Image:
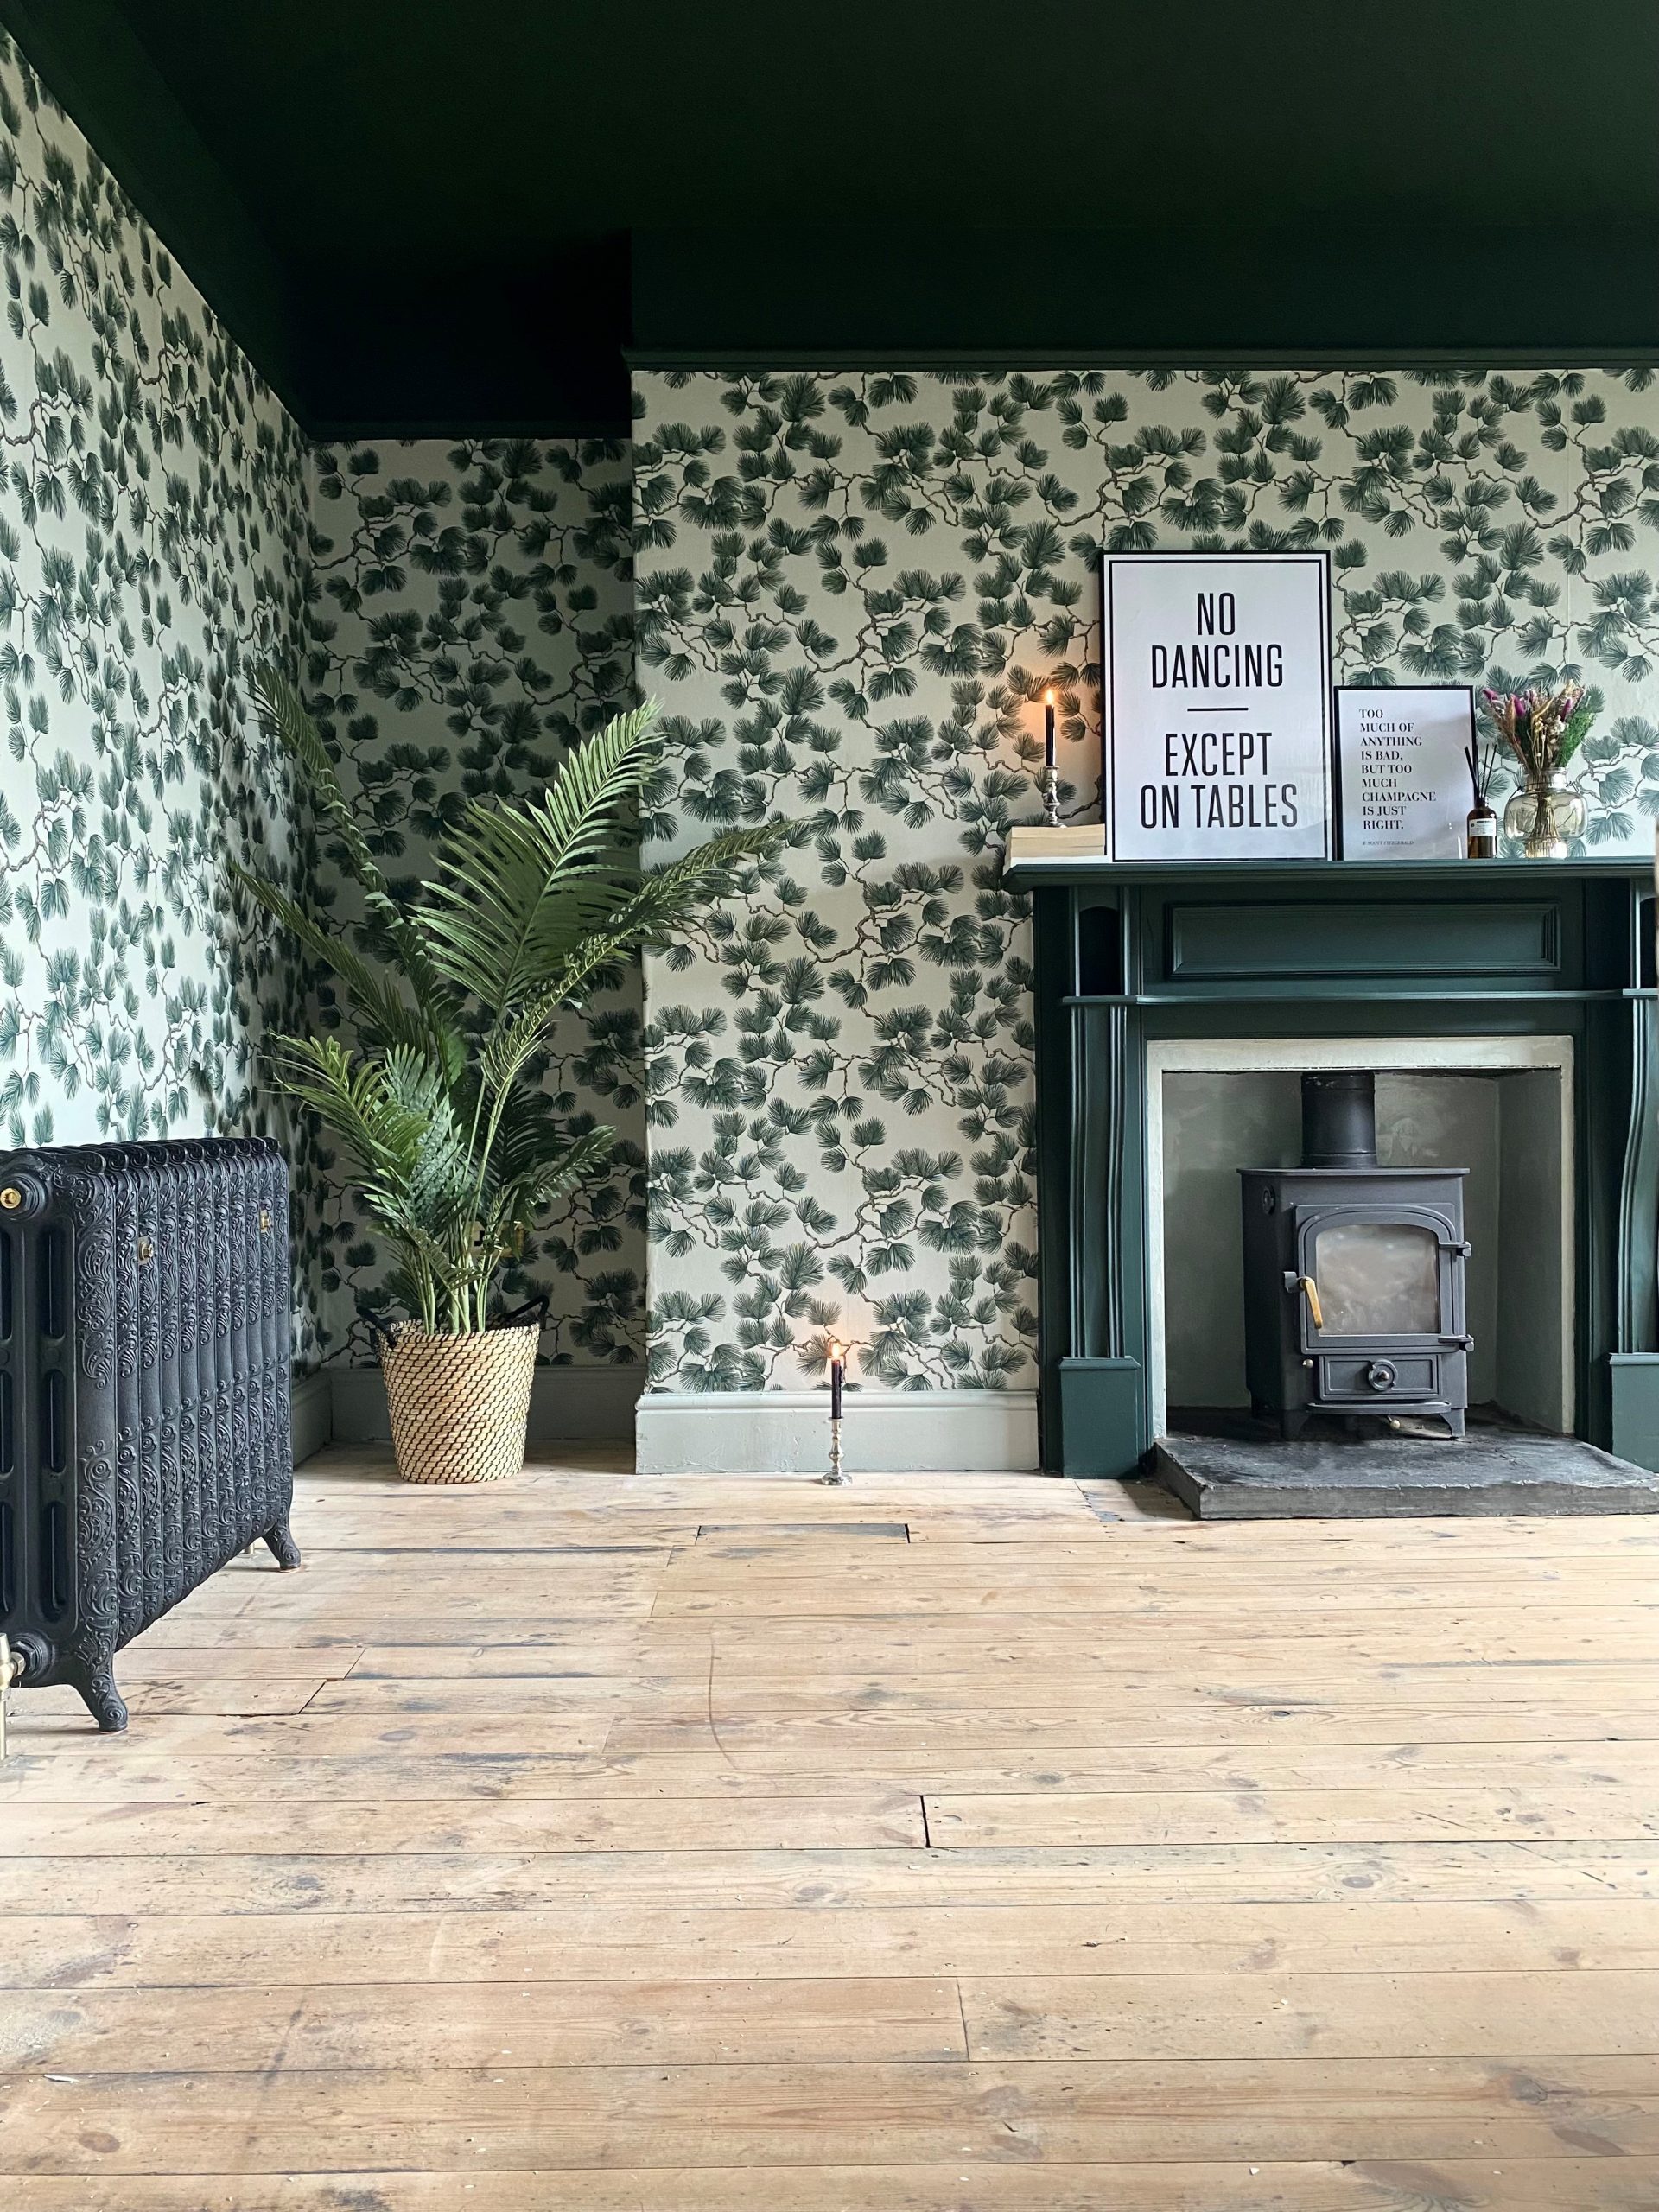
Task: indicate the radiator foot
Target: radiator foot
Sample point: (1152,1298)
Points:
(284,1549)
(104,1702)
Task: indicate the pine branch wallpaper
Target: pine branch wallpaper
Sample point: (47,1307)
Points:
(470,608)
(848,592)
(152,551)
(851,590)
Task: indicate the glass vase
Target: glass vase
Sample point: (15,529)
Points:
(1546,817)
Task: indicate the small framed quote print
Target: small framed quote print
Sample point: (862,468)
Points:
(1402,765)
(1216,694)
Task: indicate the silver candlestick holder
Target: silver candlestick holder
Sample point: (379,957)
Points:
(838,1352)
(1051,773)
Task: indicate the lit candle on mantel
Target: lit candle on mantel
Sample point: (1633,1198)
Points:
(1051,773)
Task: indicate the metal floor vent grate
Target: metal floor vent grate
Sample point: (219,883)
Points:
(894,1532)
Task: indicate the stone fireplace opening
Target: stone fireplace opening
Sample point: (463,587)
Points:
(1500,1108)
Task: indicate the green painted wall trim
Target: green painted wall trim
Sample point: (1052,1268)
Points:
(1636,1407)
(1103,1418)
(991,360)
(1141,296)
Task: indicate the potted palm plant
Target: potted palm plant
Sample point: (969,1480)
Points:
(457,1151)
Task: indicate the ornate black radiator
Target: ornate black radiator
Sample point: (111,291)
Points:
(144,1425)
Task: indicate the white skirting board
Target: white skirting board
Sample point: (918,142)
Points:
(719,1432)
(348,1405)
(885,1432)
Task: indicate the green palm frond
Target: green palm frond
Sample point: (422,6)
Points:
(439,1182)
(525,1195)
(671,891)
(658,899)
(530,1130)
(384,1130)
(414,1165)
(380,1005)
(455,1152)
(280,706)
(519,886)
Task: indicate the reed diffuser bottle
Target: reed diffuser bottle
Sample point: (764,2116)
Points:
(1480,832)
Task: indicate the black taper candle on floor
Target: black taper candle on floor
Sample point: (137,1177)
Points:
(837,1354)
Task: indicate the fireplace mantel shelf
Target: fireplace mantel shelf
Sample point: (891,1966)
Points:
(1026,867)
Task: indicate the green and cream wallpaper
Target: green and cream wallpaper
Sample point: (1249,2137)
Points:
(152,550)
(470,608)
(461,610)
(848,591)
(851,590)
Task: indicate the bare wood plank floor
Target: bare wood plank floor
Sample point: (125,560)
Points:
(961,1844)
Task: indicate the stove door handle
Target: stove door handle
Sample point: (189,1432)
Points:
(1310,1291)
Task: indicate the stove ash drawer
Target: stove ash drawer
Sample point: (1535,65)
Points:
(1366,1378)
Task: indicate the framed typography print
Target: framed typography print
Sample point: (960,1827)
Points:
(1403,770)
(1217,698)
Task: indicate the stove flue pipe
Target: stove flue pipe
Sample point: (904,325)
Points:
(1339,1118)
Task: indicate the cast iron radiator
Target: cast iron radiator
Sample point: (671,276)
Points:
(144,1428)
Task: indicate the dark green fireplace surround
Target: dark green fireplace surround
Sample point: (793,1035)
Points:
(1127,954)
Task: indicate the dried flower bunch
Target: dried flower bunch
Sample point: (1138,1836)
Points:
(1543,729)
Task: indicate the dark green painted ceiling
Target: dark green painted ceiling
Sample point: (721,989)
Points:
(422,213)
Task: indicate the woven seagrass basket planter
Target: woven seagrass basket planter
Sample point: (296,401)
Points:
(459,1405)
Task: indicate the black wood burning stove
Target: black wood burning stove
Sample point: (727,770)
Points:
(1353,1274)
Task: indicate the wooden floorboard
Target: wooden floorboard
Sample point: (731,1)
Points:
(1595,2183)
(974,1844)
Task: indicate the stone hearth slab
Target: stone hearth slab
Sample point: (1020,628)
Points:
(1495,1471)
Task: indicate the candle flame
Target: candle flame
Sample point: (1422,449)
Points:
(836,1351)
(1048,696)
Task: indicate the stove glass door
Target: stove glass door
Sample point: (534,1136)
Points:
(1377,1278)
